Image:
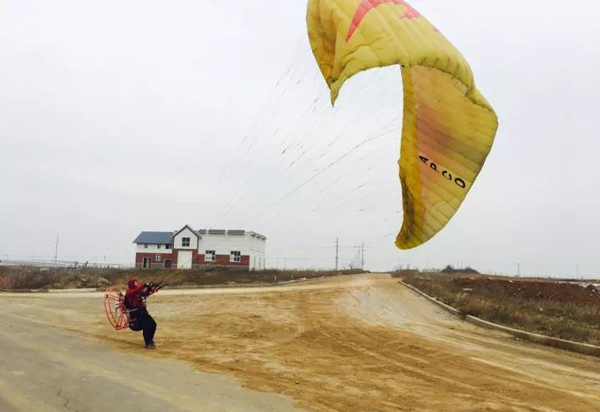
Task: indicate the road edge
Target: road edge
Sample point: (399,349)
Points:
(577,347)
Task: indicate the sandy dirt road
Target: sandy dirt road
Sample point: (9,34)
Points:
(44,369)
(362,343)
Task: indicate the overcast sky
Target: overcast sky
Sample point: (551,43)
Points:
(123,116)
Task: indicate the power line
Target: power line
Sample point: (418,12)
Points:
(329,166)
(289,145)
(253,132)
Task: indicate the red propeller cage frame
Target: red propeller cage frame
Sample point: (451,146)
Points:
(114,307)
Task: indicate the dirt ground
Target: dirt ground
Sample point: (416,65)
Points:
(359,343)
(564,292)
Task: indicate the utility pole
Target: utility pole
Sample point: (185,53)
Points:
(578,272)
(362,256)
(56,252)
(337,252)
(518,269)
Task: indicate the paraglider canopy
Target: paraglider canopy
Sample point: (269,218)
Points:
(448,126)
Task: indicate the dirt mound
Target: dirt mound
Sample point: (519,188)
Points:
(564,310)
(562,292)
(450,270)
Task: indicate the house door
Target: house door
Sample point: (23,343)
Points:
(146,262)
(184,259)
(168,264)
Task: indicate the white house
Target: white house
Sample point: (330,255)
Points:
(188,248)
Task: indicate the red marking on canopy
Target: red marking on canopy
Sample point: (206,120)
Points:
(366,6)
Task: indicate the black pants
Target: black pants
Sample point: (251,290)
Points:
(148,326)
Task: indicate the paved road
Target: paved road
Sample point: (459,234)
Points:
(43,369)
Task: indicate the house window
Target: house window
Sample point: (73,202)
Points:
(157,258)
(145,246)
(236,256)
(168,247)
(158,246)
(185,242)
(209,255)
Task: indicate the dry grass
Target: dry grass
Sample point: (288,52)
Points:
(20,278)
(559,309)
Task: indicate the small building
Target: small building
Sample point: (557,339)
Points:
(188,248)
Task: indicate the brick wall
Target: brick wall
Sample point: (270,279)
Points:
(224,260)
(153,261)
(197,260)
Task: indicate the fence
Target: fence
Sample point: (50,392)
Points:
(63,264)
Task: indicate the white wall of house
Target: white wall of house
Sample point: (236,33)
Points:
(246,244)
(257,252)
(177,241)
(224,244)
(153,249)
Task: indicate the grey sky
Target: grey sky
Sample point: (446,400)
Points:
(118,117)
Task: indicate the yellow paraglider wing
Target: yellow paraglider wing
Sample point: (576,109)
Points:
(448,127)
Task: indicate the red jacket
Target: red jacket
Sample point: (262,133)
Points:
(133,296)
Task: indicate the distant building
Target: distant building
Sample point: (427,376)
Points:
(188,248)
